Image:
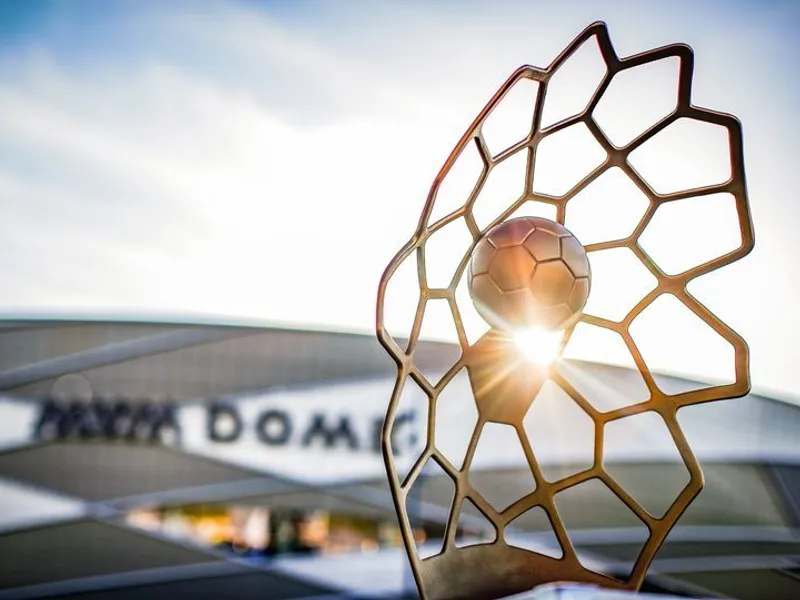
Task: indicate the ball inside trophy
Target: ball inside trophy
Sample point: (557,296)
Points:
(529,279)
(529,273)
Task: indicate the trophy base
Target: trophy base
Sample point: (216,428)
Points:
(491,571)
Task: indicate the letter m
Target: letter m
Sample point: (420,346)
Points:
(330,435)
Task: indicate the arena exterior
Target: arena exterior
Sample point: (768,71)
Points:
(170,459)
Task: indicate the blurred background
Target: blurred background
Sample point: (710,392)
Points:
(198,201)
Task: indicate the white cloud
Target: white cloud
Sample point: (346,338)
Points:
(232,164)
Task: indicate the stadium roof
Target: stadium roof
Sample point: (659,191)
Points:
(179,361)
(62,504)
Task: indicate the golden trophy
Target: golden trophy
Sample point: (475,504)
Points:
(530,277)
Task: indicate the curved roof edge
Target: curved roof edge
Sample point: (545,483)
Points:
(185,319)
(10,318)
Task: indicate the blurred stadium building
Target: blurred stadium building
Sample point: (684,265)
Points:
(167,460)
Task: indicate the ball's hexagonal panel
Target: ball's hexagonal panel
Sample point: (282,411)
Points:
(579,294)
(574,256)
(645,435)
(503,310)
(552,283)
(456,415)
(481,258)
(485,294)
(511,232)
(511,268)
(551,226)
(519,308)
(543,245)
(503,382)
(555,317)
(560,433)
(497,440)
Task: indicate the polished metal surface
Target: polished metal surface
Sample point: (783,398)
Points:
(529,272)
(495,569)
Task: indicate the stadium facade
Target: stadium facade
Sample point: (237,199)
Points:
(167,459)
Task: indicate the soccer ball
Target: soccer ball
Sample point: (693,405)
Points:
(529,272)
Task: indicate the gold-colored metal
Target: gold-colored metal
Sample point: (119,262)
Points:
(529,272)
(496,569)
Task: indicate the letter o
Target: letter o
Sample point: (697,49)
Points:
(270,419)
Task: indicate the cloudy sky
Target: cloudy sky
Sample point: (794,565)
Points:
(262,162)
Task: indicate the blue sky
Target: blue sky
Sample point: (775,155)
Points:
(262,161)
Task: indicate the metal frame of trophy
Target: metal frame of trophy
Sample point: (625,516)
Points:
(504,387)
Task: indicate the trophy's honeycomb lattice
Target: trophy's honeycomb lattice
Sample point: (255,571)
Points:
(497,568)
